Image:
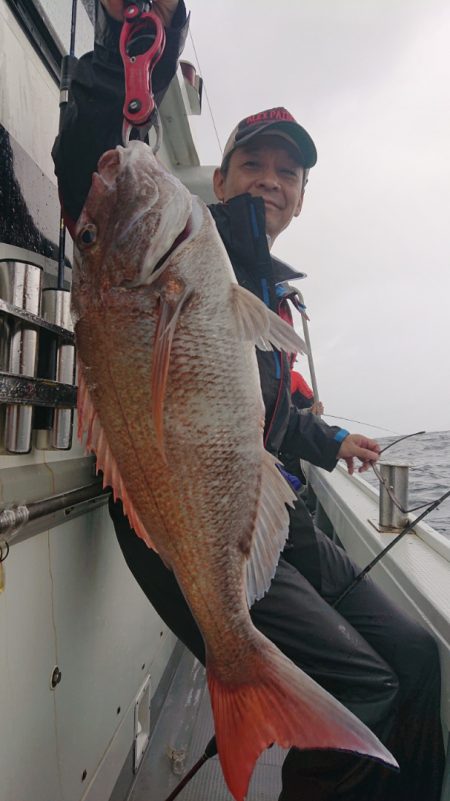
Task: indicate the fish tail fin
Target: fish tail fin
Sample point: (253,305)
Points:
(280,704)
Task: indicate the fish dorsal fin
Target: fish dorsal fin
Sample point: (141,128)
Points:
(271,529)
(258,324)
(96,442)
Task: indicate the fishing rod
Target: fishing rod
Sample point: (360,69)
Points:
(388,488)
(405,436)
(210,751)
(431,505)
(357,580)
(57,358)
(361,423)
(67,69)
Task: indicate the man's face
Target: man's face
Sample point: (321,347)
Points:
(266,167)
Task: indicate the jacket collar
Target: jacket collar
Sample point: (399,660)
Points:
(240,222)
(284,272)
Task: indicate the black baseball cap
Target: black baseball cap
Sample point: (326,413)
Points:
(277,120)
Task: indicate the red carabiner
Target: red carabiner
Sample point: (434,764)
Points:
(138,28)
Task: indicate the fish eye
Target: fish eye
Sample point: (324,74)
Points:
(87,235)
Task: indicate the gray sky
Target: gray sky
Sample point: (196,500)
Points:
(370,81)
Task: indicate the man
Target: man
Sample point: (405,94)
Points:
(369,655)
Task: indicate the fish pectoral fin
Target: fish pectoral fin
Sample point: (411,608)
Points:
(256,323)
(251,315)
(283,336)
(271,529)
(169,313)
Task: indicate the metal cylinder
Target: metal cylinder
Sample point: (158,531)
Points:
(20,285)
(395,476)
(56,309)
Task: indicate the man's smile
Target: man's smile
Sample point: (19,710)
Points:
(271,203)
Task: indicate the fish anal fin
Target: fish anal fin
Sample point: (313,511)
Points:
(97,442)
(260,325)
(169,311)
(271,529)
(280,704)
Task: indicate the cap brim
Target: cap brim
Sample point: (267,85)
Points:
(297,134)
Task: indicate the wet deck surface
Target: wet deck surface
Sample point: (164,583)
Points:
(183,729)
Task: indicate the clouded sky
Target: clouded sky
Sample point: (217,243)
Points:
(370,81)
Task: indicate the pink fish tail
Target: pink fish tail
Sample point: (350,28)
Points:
(281,705)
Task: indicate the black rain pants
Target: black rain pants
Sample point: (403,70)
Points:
(380,663)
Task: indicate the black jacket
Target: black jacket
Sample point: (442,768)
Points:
(241,224)
(92,123)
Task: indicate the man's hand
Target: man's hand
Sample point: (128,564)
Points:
(317,407)
(363,448)
(165,9)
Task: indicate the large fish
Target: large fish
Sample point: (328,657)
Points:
(170,398)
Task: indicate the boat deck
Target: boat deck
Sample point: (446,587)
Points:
(179,737)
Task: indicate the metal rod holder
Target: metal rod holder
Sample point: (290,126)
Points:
(20,285)
(393,515)
(56,310)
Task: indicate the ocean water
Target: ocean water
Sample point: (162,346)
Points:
(429,476)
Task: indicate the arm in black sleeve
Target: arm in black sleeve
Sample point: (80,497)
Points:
(92,121)
(310,438)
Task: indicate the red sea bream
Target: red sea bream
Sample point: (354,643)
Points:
(170,401)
